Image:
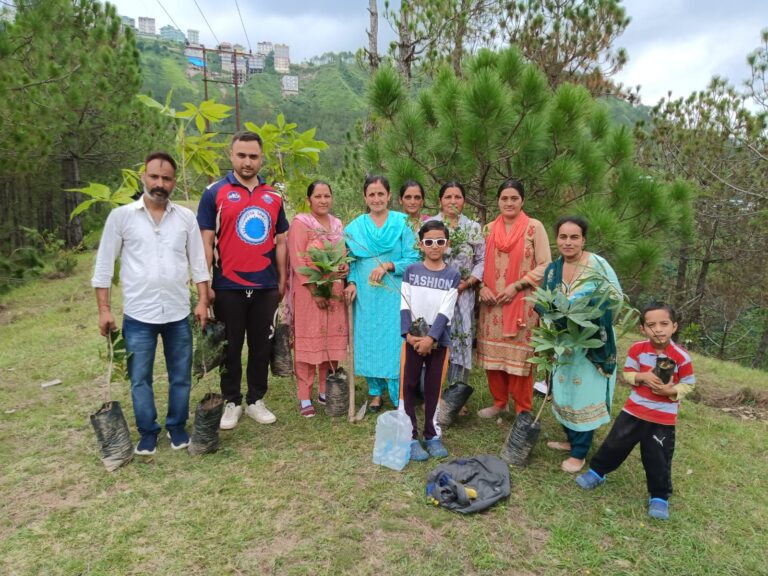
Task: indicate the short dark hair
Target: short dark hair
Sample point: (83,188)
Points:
(451,184)
(247,136)
(160,155)
(511,183)
(408,183)
(578,220)
(372,179)
(657,305)
(431,225)
(314,184)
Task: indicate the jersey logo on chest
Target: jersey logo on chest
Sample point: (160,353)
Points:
(253,225)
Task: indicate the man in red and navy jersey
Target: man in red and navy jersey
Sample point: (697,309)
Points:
(243,224)
(650,413)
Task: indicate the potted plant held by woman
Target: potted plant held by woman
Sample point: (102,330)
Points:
(328,265)
(566,326)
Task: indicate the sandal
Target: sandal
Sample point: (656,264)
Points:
(374,408)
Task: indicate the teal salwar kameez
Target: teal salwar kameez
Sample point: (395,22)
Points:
(582,388)
(377,336)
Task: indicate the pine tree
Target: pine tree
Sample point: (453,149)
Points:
(67,100)
(501,119)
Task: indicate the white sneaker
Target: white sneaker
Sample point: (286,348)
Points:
(231,415)
(259,412)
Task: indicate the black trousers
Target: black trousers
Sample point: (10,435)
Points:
(246,313)
(436,367)
(657,445)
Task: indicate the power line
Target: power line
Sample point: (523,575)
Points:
(243,25)
(206,22)
(169,16)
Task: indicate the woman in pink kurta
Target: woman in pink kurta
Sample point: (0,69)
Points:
(319,324)
(517,252)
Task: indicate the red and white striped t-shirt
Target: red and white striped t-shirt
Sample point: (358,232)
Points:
(643,403)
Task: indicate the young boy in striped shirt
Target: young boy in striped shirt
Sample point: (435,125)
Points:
(650,412)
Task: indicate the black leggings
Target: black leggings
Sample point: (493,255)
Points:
(657,445)
(246,312)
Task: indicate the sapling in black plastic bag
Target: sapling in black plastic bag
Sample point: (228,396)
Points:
(451,402)
(211,344)
(109,421)
(280,360)
(209,351)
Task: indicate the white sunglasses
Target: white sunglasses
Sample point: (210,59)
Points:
(429,242)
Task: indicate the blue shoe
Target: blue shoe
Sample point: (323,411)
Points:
(147,445)
(436,448)
(417,452)
(179,438)
(590,480)
(658,508)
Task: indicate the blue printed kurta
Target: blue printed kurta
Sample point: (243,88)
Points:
(377,336)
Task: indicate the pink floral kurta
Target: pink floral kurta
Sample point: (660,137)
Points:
(319,335)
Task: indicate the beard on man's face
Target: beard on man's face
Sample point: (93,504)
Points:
(158,194)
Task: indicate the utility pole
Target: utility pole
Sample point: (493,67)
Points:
(235,81)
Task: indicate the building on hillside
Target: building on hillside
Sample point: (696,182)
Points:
(256,63)
(282,50)
(193,51)
(289,85)
(239,76)
(147,26)
(172,34)
(193,36)
(264,48)
(227,66)
(127,22)
(282,64)
(195,59)
(282,58)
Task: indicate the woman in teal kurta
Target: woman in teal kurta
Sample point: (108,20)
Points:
(382,245)
(582,388)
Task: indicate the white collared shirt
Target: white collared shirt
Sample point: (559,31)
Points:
(155,260)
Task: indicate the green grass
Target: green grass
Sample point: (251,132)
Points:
(302,496)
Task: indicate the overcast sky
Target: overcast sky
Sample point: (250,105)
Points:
(673,45)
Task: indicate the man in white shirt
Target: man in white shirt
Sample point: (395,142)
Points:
(158,243)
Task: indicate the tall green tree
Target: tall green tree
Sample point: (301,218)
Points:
(67,86)
(569,40)
(501,119)
(714,139)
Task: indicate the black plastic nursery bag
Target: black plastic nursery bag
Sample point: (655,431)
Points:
(112,435)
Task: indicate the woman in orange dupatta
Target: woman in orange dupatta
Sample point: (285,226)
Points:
(516,254)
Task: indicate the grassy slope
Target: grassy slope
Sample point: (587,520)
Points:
(302,497)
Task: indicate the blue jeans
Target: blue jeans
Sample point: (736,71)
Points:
(141,343)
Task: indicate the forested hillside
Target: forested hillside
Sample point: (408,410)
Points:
(331,95)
